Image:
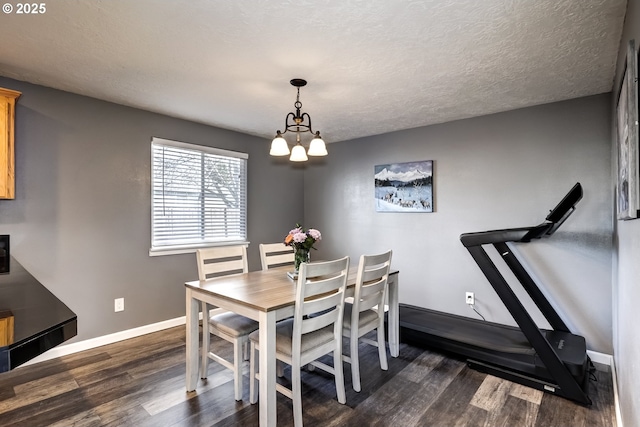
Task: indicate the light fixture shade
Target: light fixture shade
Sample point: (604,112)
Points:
(298,154)
(317,147)
(279,146)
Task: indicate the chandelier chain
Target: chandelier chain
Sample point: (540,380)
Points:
(298,104)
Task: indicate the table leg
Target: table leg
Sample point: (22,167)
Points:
(394,317)
(192,339)
(267,370)
(206,341)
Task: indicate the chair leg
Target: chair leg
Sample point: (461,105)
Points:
(338,372)
(238,357)
(355,362)
(253,383)
(382,349)
(245,350)
(296,393)
(206,341)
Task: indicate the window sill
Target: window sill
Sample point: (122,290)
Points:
(176,250)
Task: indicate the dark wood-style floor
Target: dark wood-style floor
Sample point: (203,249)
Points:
(140,382)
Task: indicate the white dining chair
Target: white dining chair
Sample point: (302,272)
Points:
(232,327)
(366,313)
(314,330)
(275,254)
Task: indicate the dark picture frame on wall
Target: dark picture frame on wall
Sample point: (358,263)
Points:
(404,187)
(627,198)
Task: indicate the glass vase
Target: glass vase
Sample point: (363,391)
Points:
(300,255)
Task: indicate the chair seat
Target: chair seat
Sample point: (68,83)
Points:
(233,324)
(366,317)
(284,340)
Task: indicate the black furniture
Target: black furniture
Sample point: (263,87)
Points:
(38,320)
(554,360)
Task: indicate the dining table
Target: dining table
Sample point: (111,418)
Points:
(266,296)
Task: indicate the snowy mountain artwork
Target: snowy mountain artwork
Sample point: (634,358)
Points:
(404,187)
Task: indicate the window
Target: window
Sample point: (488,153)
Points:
(199,197)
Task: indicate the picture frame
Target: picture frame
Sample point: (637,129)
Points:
(404,187)
(627,197)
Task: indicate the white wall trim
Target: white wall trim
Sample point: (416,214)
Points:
(64,350)
(601,358)
(607,359)
(614,375)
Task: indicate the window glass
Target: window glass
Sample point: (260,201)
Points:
(199,196)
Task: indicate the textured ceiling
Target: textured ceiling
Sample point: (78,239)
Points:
(373,66)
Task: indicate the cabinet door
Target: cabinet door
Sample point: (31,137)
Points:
(7,118)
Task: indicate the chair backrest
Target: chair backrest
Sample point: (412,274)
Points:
(371,284)
(275,254)
(221,261)
(320,295)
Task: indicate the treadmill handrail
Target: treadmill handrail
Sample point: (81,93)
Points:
(566,206)
(523,234)
(554,220)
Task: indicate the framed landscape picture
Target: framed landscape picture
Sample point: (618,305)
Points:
(404,187)
(628,202)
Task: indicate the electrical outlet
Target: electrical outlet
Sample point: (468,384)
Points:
(470,298)
(118,304)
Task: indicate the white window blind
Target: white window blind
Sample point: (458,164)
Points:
(199,196)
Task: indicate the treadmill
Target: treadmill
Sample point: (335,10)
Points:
(554,361)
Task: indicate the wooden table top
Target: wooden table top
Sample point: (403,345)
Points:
(263,290)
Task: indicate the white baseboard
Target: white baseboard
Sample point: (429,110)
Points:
(607,359)
(66,349)
(601,358)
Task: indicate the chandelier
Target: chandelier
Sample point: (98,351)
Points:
(298,122)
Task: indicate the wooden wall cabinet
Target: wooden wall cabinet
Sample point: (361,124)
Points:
(8,99)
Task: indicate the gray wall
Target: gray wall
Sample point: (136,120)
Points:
(80,222)
(626,293)
(497,171)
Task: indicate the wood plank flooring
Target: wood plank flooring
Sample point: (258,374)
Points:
(141,382)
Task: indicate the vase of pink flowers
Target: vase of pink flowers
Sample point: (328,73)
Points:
(302,242)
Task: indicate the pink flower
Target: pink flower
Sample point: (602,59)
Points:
(299,237)
(315,234)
